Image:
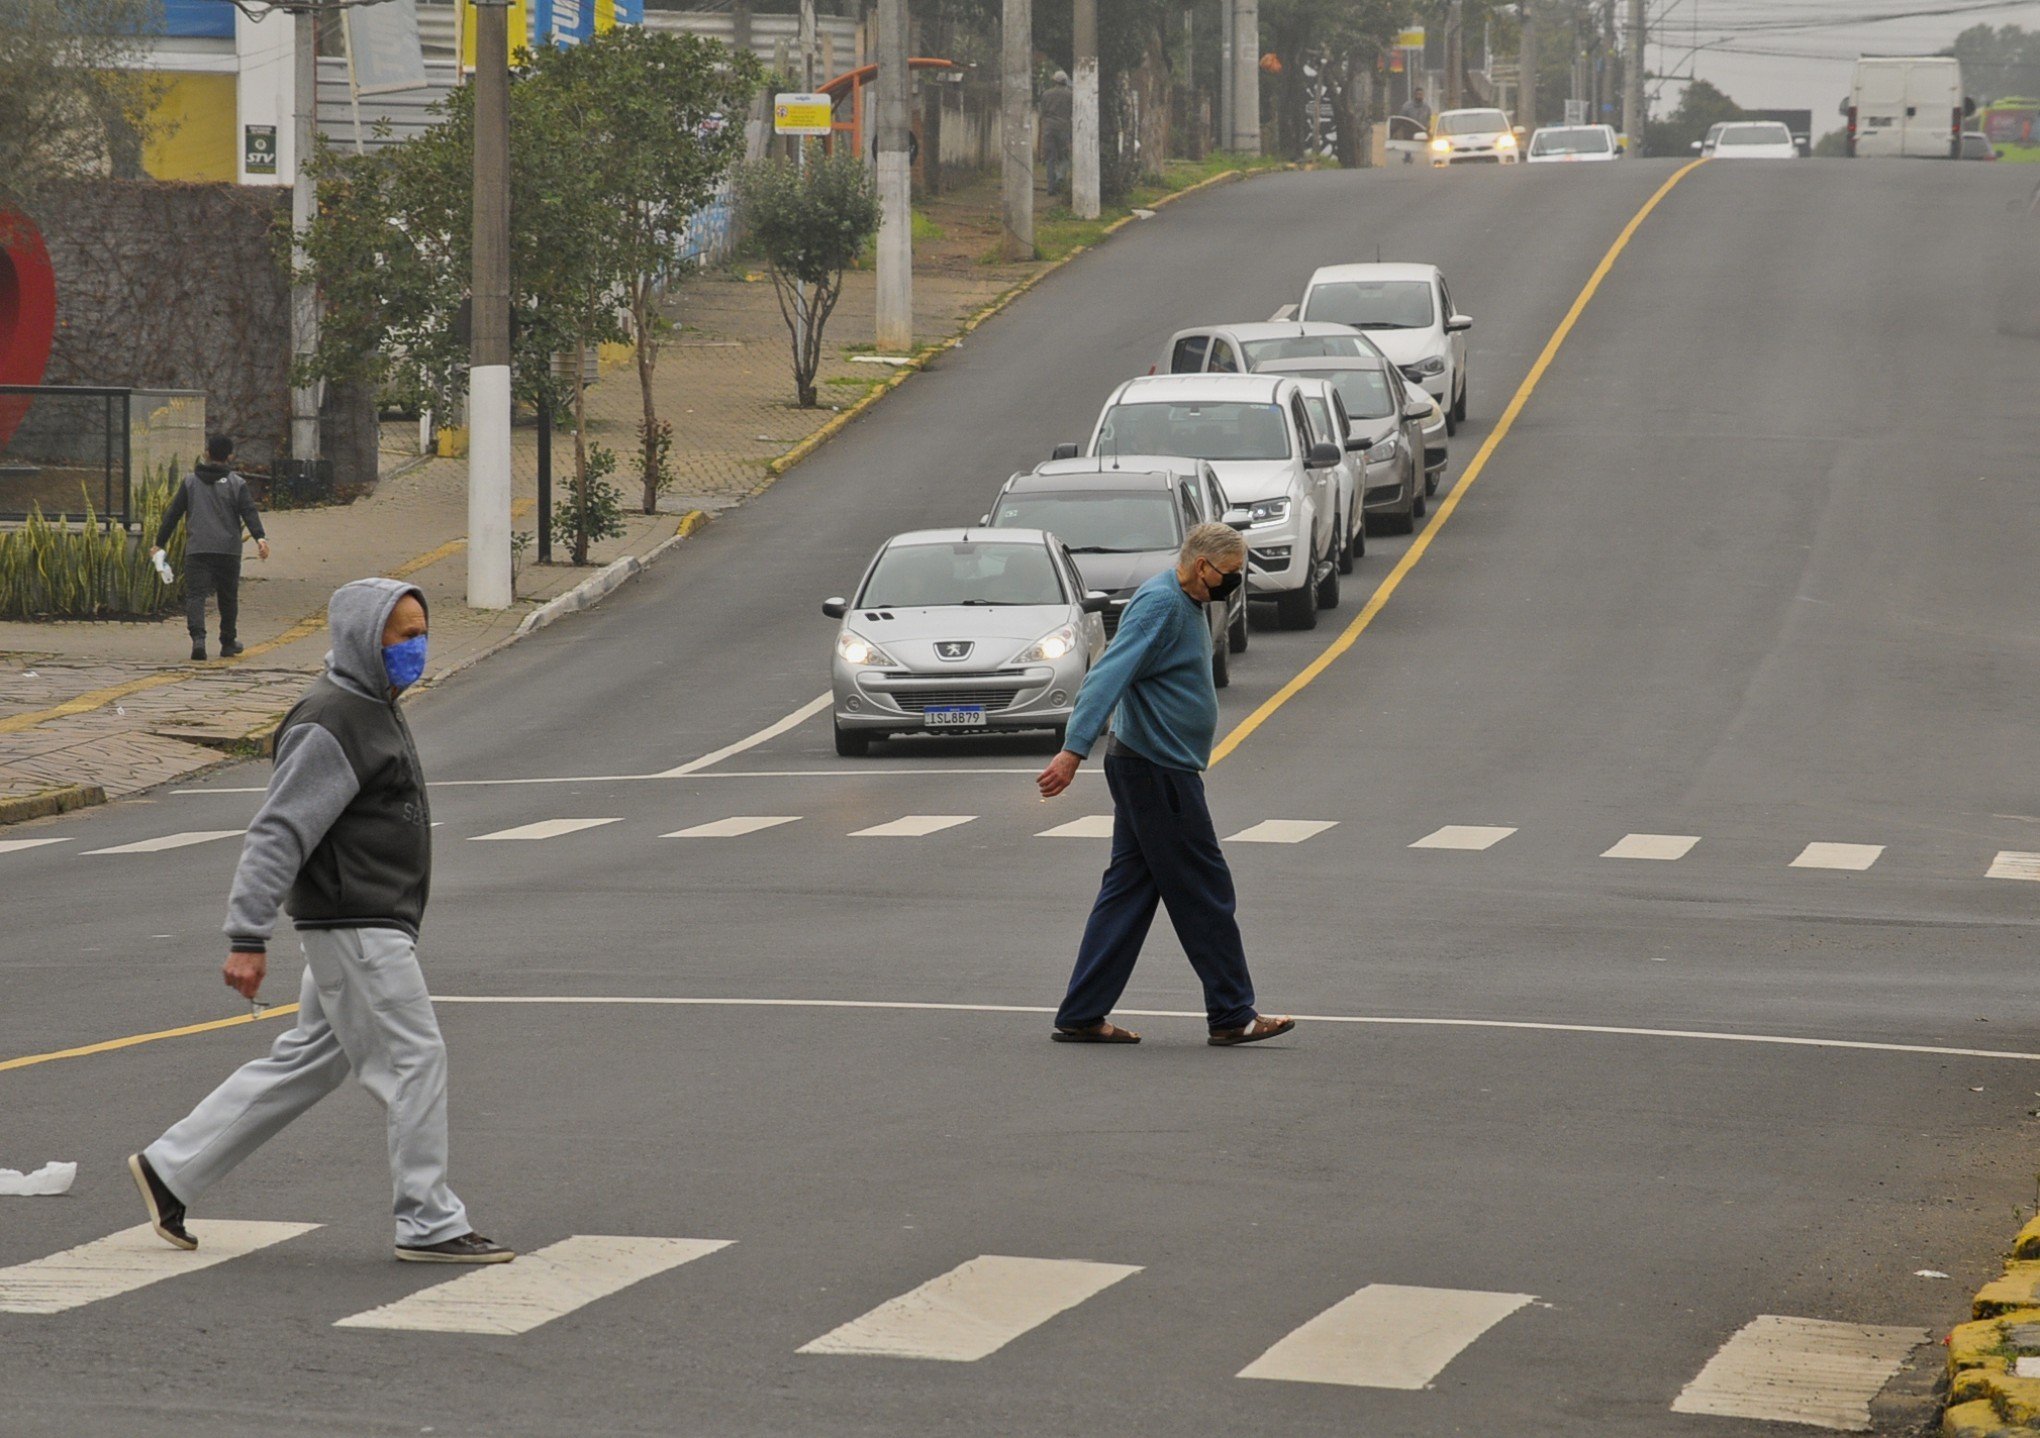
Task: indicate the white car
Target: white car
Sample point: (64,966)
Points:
(1573,144)
(1755,140)
(1406,310)
(1331,424)
(1283,483)
(1238,348)
(1474,137)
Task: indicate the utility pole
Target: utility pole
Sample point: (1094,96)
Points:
(1016,125)
(304,295)
(808,47)
(1526,67)
(895,183)
(1455,68)
(488,584)
(1632,81)
(1084,136)
(1226,36)
(1246,137)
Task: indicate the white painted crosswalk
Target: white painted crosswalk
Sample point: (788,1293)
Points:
(131,1259)
(1664,847)
(165,842)
(1282,831)
(972,1311)
(546,829)
(9,846)
(1471,837)
(548,1283)
(2011,864)
(1851,857)
(1091,826)
(735,827)
(1800,1370)
(914,826)
(1386,1336)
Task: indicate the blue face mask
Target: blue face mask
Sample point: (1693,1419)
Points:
(404,662)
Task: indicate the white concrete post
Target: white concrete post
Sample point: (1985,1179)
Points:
(1246,137)
(895,183)
(1085,137)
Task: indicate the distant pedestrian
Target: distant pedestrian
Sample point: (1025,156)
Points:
(1415,109)
(346,832)
(1057,117)
(1157,674)
(214,499)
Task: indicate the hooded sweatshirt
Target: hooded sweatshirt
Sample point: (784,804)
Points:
(218,503)
(344,831)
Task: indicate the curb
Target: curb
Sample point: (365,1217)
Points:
(922,357)
(1988,1397)
(51,801)
(604,582)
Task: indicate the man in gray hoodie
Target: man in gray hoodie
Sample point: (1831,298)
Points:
(345,832)
(216,502)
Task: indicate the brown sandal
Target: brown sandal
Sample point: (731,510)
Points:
(1262,1027)
(1106,1032)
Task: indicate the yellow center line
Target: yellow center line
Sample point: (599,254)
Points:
(1422,544)
(132,1040)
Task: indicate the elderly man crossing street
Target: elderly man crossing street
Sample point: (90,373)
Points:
(1157,675)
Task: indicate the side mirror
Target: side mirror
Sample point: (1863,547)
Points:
(1096,601)
(1968,106)
(1520,132)
(835,608)
(1356,444)
(1458,324)
(1695,147)
(1322,456)
(1416,411)
(1242,525)
(1420,135)
(1066,450)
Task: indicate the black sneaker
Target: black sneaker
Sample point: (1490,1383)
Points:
(198,651)
(166,1214)
(229,649)
(468,1248)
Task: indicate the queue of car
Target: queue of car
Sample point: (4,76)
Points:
(1304,432)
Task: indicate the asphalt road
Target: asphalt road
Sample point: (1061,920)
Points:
(1752,568)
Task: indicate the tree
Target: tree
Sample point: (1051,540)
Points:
(1998,63)
(1342,40)
(1700,109)
(811,222)
(652,109)
(71,102)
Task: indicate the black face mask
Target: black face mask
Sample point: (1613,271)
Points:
(1227,584)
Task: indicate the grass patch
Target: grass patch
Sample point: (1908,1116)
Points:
(1057,231)
(926,231)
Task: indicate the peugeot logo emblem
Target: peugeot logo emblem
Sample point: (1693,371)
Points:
(954,649)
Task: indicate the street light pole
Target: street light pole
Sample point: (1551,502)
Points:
(1632,82)
(895,183)
(1085,135)
(1246,96)
(489,582)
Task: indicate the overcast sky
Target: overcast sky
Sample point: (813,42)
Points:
(1751,50)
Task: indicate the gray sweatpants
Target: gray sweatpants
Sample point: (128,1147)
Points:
(363,1005)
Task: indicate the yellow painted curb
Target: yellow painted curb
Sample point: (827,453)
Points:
(1975,1419)
(692,522)
(50,802)
(2019,1288)
(1986,1396)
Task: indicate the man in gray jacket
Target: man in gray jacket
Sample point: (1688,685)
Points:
(346,833)
(216,502)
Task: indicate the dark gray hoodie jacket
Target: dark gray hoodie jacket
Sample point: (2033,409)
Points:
(345,831)
(216,501)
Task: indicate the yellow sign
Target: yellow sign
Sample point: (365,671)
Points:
(519,24)
(802,114)
(1411,39)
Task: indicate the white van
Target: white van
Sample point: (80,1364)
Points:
(1907,106)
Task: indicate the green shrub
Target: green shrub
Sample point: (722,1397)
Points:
(91,570)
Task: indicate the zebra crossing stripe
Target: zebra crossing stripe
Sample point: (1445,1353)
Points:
(511,1298)
(914,826)
(133,1258)
(1800,1370)
(1852,857)
(1282,831)
(1473,837)
(2011,864)
(1386,1336)
(1652,846)
(171,841)
(734,828)
(543,829)
(9,846)
(973,1310)
(1091,826)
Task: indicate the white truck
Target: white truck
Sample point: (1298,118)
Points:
(1907,106)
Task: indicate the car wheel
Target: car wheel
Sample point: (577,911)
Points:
(1451,424)
(1059,737)
(852,743)
(1431,480)
(1298,608)
(1345,546)
(1328,588)
(1221,665)
(1459,406)
(1360,538)
(1236,633)
(1418,504)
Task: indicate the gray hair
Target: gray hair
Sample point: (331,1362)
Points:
(1213,542)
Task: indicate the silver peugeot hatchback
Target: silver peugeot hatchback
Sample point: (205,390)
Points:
(963,631)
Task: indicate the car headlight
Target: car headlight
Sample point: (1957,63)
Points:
(1432,366)
(1505,142)
(1441,145)
(854,648)
(1268,511)
(1383,449)
(1049,647)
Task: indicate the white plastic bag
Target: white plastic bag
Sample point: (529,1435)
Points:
(51,1178)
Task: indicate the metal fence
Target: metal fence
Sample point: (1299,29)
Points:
(65,449)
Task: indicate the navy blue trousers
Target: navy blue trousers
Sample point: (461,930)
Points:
(1164,851)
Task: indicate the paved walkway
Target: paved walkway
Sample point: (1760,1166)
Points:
(119,704)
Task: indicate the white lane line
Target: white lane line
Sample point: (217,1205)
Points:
(171,841)
(1852,857)
(543,829)
(1282,831)
(1091,826)
(1386,1336)
(734,828)
(875,770)
(771,731)
(1464,836)
(973,1310)
(1373,1020)
(549,1283)
(1652,846)
(1800,1370)
(9,846)
(133,1258)
(2011,864)
(913,826)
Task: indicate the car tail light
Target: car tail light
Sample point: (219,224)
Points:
(1852,132)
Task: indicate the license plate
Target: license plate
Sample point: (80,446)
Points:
(958,716)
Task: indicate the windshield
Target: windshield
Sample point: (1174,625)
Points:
(1365,391)
(1755,135)
(1321,416)
(1097,523)
(1372,304)
(918,576)
(1588,141)
(1259,352)
(1202,431)
(1471,122)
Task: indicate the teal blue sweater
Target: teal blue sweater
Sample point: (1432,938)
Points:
(1157,673)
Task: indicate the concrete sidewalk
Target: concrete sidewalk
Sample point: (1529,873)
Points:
(120,706)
